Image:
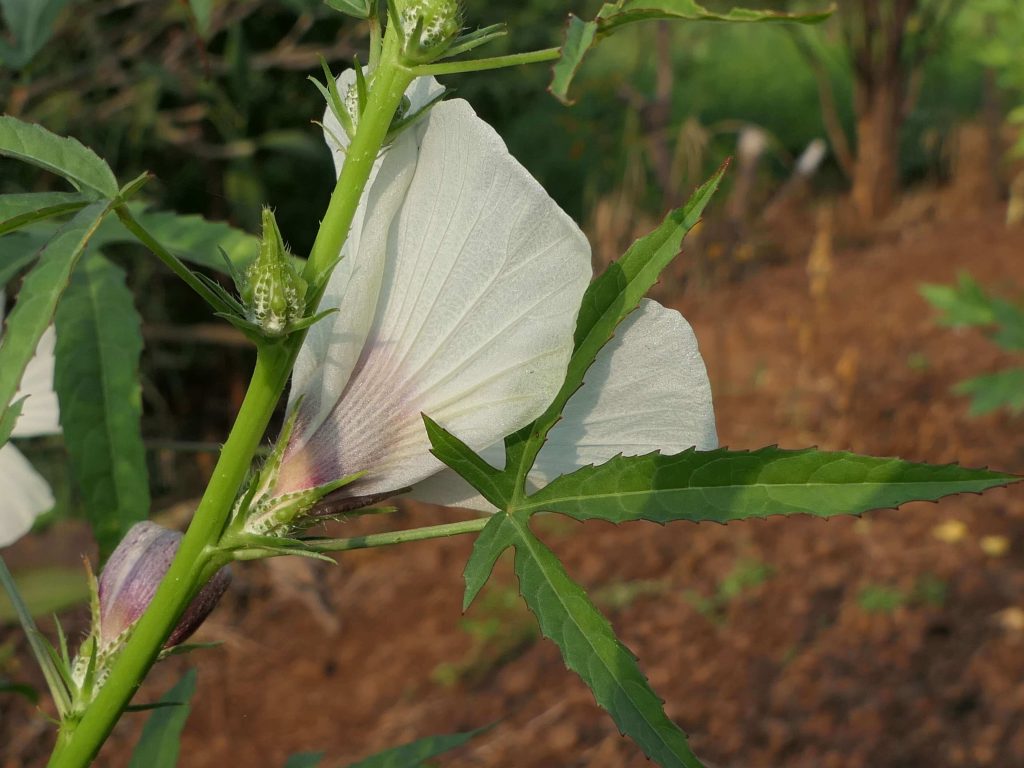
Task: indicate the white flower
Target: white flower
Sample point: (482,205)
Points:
(24,494)
(458,297)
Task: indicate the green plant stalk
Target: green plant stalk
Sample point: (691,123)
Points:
(398,537)
(79,742)
(497,62)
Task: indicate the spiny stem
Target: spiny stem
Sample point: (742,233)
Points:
(479,65)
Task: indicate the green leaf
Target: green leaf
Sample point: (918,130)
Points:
(8,419)
(359,8)
(591,650)
(609,299)
(99,342)
(57,154)
(38,297)
(31,24)
(17,251)
(160,741)
(202,12)
(724,485)
(46,590)
(304,760)
(582,36)
(414,754)
(991,392)
(968,304)
(495,486)
(497,536)
(21,210)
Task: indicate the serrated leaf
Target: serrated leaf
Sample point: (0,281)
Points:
(968,304)
(590,649)
(1004,389)
(99,342)
(304,760)
(582,36)
(39,294)
(31,24)
(414,754)
(724,485)
(160,741)
(495,538)
(21,210)
(609,299)
(495,485)
(58,154)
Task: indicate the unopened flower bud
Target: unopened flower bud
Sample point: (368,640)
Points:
(130,578)
(273,292)
(429,27)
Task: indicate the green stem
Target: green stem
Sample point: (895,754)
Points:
(78,742)
(173,262)
(397,537)
(479,65)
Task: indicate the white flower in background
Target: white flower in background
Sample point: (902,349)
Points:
(24,494)
(458,297)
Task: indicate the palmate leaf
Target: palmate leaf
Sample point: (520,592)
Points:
(31,143)
(609,299)
(38,297)
(414,754)
(723,485)
(99,342)
(590,649)
(160,741)
(581,35)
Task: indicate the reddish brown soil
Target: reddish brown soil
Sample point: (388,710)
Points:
(800,669)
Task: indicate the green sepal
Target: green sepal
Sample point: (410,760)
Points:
(471,40)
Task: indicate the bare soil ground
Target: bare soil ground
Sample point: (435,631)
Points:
(890,640)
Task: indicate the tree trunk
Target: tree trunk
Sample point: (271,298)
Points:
(876,169)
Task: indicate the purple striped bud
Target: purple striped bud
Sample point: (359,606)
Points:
(130,578)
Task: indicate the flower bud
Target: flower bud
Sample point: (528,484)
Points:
(273,292)
(428,27)
(130,578)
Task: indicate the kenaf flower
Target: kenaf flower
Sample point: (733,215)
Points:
(458,295)
(24,494)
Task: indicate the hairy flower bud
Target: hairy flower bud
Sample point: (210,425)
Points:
(130,578)
(428,27)
(272,291)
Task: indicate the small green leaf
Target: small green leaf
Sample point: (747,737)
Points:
(416,753)
(581,36)
(358,8)
(723,485)
(497,536)
(160,741)
(99,342)
(495,486)
(590,649)
(1004,389)
(38,297)
(31,24)
(202,12)
(21,210)
(304,760)
(57,154)
(8,419)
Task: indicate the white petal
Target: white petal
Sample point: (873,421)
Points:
(420,93)
(25,495)
(648,390)
(482,281)
(40,414)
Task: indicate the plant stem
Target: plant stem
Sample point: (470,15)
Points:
(397,537)
(173,262)
(79,742)
(479,65)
